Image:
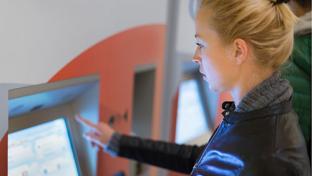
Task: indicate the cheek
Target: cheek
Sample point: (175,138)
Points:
(218,69)
(211,65)
(209,68)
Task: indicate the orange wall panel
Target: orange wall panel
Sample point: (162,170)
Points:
(4,155)
(114,60)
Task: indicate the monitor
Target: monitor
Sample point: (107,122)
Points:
(191,116)
(42,150)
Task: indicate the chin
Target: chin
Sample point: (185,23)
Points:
(215,88)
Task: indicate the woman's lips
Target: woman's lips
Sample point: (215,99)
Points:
(204,76)
(202,73)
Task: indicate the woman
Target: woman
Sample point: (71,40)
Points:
(240,46)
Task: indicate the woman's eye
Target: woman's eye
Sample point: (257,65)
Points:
(199,45)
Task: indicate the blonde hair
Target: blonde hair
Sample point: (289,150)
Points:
(268,28)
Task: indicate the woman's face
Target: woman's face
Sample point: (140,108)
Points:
(215,60)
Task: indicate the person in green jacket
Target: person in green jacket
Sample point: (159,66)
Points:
(298,70)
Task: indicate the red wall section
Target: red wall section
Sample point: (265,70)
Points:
(4,155)
(114,60)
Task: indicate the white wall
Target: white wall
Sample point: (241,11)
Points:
(38,37)
(186,32)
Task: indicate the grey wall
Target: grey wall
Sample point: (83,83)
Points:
(39,37)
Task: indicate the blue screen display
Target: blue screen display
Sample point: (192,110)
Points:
(42,150)
(191,117)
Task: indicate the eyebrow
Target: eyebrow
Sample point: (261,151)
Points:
(198,36)
(200,40)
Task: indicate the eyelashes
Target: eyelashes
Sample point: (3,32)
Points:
(200,43)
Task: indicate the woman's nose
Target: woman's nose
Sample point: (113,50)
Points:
(196,56)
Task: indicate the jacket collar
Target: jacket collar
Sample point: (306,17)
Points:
(271,97)
(273,90)
(231,116)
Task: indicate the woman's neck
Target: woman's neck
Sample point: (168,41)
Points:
(247,82)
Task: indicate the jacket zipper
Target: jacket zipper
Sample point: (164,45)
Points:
(212,137)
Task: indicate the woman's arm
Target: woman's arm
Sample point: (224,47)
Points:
(180,158)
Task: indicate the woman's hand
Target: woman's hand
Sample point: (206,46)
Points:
(100,133)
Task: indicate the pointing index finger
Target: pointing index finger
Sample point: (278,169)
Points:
(86,122)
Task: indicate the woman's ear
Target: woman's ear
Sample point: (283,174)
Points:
(240,50)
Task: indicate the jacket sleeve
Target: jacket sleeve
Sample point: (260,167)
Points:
(179,158)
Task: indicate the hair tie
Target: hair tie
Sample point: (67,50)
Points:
(276,2)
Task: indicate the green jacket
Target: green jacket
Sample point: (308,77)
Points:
(298,72)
